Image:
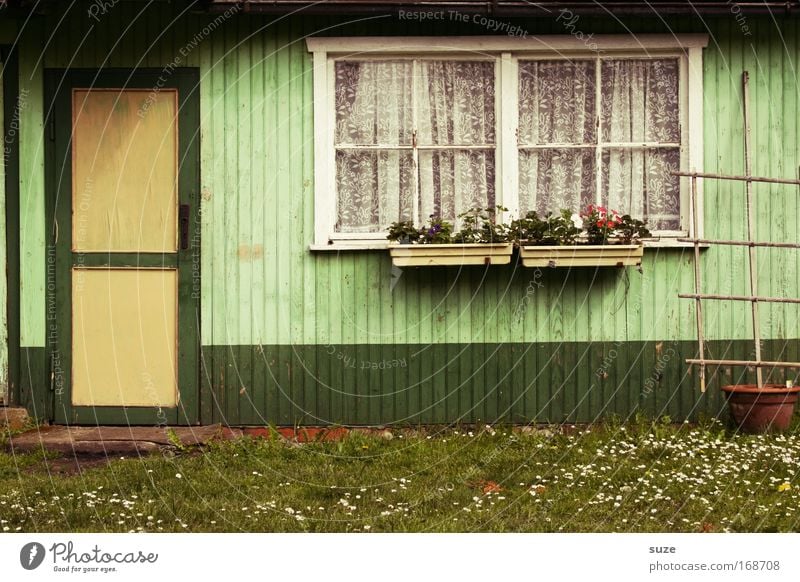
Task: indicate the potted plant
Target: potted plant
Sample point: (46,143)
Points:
(758,410)
(597,237)
(481,241)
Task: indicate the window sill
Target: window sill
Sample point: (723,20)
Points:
(350,246)
(664,243)
(671,243)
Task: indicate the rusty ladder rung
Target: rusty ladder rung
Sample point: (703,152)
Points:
(738,298)
(740,243)
(738,178)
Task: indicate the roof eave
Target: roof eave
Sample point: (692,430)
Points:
(514,8)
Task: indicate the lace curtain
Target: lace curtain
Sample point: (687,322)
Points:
(455,136)
(557,106)
(375,186)
(639,105)
(456,108)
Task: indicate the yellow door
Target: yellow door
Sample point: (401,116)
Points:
(124,320)
(128,254)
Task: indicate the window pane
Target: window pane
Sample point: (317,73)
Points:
(640,101)
(556,102)
(455,103)
(638,182)
(374,189)
(550,180)
(453,181)
(373,103)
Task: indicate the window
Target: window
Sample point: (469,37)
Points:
(604,131)
(419,126)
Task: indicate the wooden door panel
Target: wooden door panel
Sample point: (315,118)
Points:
(124,337)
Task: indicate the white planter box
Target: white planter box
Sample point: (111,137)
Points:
(581,255)
(452,254)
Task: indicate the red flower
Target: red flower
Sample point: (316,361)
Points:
(600,223)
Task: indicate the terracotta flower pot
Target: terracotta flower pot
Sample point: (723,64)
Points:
(757,411)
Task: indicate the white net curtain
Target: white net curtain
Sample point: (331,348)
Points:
(379,107)
(638,145)
(557,106)
(456,134)
(640,105)
(374,121)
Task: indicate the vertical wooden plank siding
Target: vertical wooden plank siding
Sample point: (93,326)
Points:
(31,194)
(281,325)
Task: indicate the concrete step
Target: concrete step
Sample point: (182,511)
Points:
(115,440)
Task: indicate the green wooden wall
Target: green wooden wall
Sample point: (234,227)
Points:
(3,266)
(262,289)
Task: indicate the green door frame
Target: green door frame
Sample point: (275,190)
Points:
(59,84)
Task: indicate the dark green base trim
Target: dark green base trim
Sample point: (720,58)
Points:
(120,416)
(33,391)
(470,383)
(447,383)
(40,399)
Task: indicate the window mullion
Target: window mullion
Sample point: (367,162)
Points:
(324,149)
(598,152)
(507,159)
(414,152)
(691,98)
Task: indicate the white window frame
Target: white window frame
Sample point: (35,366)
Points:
(507,52)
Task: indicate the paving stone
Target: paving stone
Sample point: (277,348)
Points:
(13,417)
(116,440)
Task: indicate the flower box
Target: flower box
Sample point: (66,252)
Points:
(612,255)
(435,255)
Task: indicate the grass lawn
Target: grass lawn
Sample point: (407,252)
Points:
(641,477)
